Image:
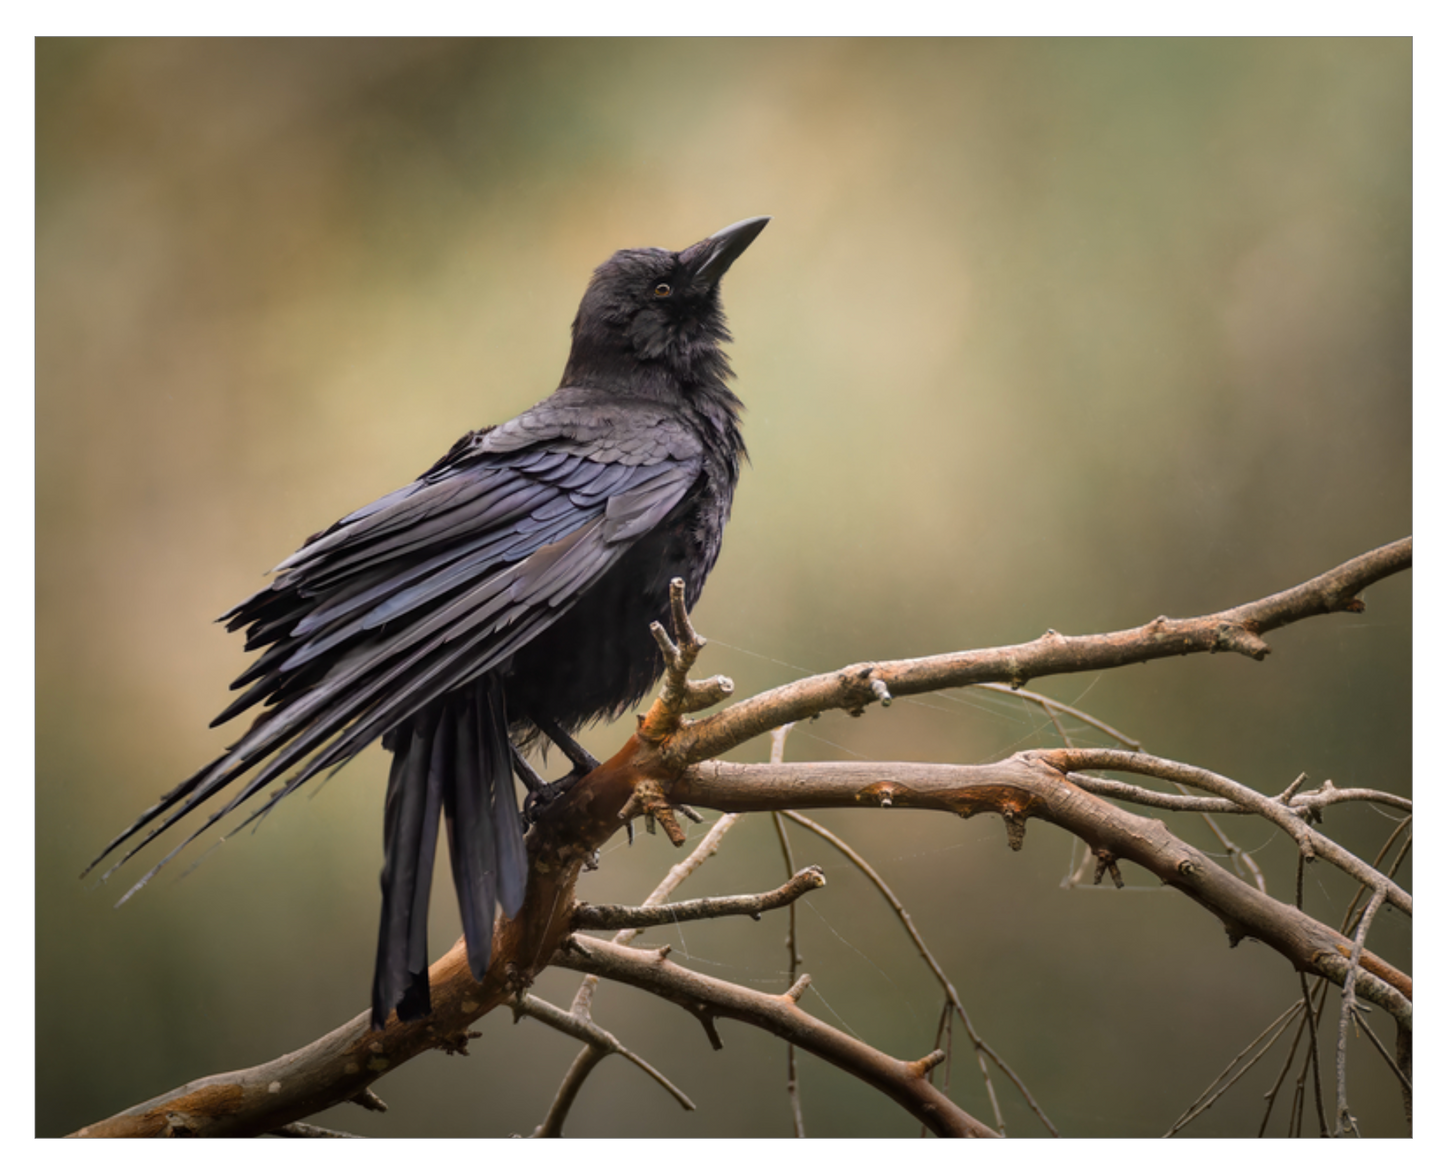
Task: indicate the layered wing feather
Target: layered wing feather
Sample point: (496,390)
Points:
(426,590)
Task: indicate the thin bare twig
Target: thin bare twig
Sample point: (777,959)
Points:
(1310,842)
(1054,707)
(929,959)
(1403,827)
(1224,1081)
(1309,802)
(1401,1076)
(776,751)
(1344,1121)
(605,916)
(680,694)
(1312,1071)
(599,1043)
(1303,1011)
(587,1059)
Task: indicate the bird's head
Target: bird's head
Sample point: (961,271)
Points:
(652,307)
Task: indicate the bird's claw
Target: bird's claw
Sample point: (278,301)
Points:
(545,795)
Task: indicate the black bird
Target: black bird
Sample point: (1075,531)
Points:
(503,596)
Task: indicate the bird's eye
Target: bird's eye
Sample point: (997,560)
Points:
(662,290)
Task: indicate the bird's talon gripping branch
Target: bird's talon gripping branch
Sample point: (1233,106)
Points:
(544,796)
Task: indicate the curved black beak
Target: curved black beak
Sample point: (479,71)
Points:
(715,254)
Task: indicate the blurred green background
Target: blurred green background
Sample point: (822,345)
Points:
(1043,334)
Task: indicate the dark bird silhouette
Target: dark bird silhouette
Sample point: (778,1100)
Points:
(502,597)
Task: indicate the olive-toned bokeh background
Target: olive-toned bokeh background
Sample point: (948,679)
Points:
(1044,334)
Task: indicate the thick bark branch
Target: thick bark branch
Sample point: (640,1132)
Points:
(1025,787)
(709,998)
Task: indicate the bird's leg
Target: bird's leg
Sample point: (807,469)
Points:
(537,788)
(582,761)
(523,770)
(541,793)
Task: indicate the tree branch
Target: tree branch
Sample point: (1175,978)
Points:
(598,1044)
(1025,787)
(709,998)
(984,1051)
(612,916)
(852,688)
(1308,803)
(1311,842)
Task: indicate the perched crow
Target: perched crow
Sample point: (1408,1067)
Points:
(504,595)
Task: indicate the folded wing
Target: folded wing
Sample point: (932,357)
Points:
(423,592)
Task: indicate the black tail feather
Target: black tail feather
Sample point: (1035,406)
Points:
(471,832)
(511,851)
(453,763)
(413,805)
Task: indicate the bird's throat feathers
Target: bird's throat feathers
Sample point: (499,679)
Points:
(674,359)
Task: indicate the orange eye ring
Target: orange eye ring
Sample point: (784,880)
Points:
(662,290)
